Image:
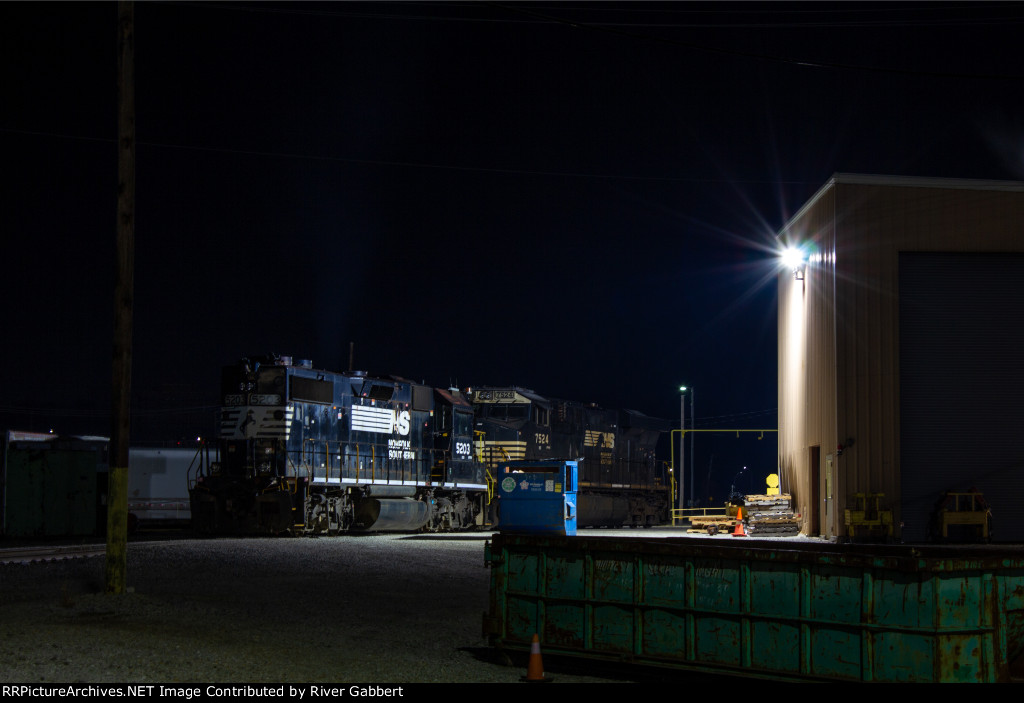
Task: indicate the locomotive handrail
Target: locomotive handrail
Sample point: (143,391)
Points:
(303,461)
(491,483)
(296,468)
(189,479)
(377,470)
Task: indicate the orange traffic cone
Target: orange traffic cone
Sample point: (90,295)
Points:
(738,531)
(535,667)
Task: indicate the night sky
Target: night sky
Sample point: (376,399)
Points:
(577,198)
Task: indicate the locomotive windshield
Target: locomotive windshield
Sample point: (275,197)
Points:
(238,382)
(463,424)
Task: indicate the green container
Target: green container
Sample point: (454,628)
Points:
(51,488)
(771,609)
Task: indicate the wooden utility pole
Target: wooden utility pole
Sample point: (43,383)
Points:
(117,480)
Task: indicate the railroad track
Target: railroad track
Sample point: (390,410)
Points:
(26,555)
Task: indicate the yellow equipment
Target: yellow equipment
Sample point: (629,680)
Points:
(868,520)
(966,509)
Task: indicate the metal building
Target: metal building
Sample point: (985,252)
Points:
(901,350)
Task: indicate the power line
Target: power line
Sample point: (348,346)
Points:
(421,165)
(732,416)
(971,18)
(84,412)
(970,14)
(760,56)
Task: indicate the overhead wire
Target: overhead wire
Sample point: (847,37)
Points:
(969,19)
(971,14)
(762,56)
(420,165)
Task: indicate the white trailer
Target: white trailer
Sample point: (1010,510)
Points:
(158,485)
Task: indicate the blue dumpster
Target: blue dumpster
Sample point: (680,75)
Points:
(538,497)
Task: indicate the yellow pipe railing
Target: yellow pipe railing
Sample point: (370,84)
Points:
(672,451)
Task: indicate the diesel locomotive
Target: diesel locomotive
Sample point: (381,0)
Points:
(621,483)
(311,451)
(308,451)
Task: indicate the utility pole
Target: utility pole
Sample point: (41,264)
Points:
(117,479)
(693,464)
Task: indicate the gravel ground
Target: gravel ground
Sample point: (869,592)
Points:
(353,609)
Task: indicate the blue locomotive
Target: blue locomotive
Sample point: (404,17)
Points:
(309,451)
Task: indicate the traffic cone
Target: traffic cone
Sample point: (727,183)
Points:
(738,530)
(535,667)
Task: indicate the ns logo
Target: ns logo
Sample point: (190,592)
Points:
(400,422)
(381,420)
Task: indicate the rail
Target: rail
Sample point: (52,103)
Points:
(26,555)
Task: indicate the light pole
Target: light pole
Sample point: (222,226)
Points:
(682,441)
(693,441)
(682,447)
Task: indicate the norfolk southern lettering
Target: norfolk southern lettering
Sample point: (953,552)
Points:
(400,449)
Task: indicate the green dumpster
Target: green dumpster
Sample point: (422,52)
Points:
(803,611)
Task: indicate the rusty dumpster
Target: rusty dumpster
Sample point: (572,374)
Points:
(786,609)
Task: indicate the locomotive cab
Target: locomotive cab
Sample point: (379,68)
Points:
(248,489)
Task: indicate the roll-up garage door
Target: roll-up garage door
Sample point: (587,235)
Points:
(962,385)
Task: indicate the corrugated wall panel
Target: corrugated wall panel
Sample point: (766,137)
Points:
(962,379)
(866,377)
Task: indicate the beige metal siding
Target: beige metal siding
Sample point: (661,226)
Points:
(807,364)
(839,375)
(867,390)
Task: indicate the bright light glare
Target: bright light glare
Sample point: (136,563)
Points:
(793,258)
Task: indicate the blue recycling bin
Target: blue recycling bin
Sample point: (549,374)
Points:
(538,497)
